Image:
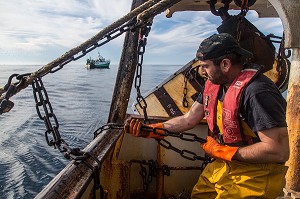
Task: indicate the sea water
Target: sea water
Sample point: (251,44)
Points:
(80,99)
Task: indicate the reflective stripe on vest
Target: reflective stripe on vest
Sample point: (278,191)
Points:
(230,116)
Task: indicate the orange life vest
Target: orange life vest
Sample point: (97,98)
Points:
(231,126)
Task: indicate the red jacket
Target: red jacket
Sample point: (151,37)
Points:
(230,115)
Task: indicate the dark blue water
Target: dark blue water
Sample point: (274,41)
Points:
(80,99)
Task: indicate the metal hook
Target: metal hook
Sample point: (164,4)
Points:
(9,81)
(6,105)
(223,11)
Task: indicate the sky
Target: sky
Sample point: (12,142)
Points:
(39,31)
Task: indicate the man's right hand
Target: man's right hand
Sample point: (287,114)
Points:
(134,127)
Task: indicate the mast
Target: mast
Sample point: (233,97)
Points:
(124,79)
(118,170)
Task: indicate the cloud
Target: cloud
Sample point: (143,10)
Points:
(45,29)
(36,25)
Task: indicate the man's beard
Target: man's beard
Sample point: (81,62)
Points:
(218,78)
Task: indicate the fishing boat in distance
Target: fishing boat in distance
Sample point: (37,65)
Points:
(99,62)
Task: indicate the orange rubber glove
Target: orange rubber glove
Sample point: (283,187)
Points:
(217,150)
(135,129)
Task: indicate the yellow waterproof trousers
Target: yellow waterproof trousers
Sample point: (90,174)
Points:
(230,180)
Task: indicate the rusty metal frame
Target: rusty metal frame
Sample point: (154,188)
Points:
(73,180)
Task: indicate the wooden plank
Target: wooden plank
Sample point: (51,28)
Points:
(154,107)
(167,102)
(169,94)
(175,89)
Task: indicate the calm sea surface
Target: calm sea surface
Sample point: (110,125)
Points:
(80,99)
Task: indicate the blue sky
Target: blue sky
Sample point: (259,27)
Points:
(38,31)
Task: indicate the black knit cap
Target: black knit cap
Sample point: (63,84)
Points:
(218,45)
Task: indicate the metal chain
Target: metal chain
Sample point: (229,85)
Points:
(150,8)
(107,127)
(147,177)
(223,11)
(53,137)
(239,29)
(283,66)
(189,75)
(185,102)
(144,31)
(6,105)
(96,175)
(136,18)
(52,134)
(183,136)
(184,153)
(244,4)
(52,126)
(107,38)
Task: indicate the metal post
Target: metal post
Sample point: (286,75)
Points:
(116,170)
(293,120)
(288,12)
(126,71)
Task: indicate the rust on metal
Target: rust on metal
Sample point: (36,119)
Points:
(293,122)
(293,115)
(116,179)
(115,172)
(160,175)
(73,180)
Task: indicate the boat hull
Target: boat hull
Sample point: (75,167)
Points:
(98,65)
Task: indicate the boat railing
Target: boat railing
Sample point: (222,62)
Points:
(74,179)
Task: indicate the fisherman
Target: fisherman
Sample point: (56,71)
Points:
(245,112)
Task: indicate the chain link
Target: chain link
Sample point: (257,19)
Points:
(53,138)
(185,102)
(52,134)
(152,169)
(189,75)
(183,136)
(144,31)
(283,66)
(222,11)
(147,177)
(6,105)
(8,90)
(107,127)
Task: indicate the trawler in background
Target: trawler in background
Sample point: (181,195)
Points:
(99,62)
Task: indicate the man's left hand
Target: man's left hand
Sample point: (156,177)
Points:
(217,150)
